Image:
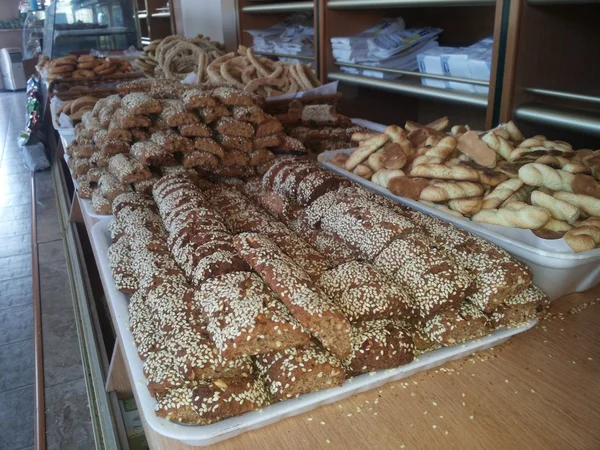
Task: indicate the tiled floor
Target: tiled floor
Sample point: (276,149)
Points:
(68,424)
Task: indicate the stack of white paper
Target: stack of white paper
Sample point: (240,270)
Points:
(472,62)
(293,36)
(388,45)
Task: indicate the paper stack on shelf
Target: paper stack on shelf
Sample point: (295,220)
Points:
(472,62)
(294,36)
(388,44)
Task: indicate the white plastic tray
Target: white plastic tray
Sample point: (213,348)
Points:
(210,434)
(557,273)
(86,205)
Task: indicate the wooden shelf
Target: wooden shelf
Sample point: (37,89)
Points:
(284,55)
(277,8)
(414,74)
(412,88)
(371,4)
(571,119)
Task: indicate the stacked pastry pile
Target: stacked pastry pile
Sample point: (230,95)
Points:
(126,142)
(174,57)
(256,74)
(85,66)
(319,126)
(498,177)
(229,304)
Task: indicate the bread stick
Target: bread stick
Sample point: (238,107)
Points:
(382,177)
(523,216)
(466,206)
(587,204)
(443,172)
(585,236)
(442,191)
(365,150)
(559,209)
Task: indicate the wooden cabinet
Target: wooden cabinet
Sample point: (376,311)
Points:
(544,71)
(157,19)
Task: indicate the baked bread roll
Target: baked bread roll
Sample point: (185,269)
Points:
(498,144)
(466,206)
(365,150)
(383,176)
(584,236)
(477,150)
(441,191)
(515,215)
(558,180)
(443,172)
(559,209)
(587,204)
(442,207)
(441,151)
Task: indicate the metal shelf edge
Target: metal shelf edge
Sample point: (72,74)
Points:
(274,8)
(370,4)
(572,119)
(413,90)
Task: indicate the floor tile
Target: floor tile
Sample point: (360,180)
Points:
(47,210)
(16,324)
(55,290)
(15,266)
(14,228)
(16,292)
(16,245)
(20,188)
(23,178)
(68,423)
(15,213)
(16,417)
(16,365)
(12,169)
(62,357)
(14,199)
(44,184)
(52,251)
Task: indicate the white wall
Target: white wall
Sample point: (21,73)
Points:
(202,17)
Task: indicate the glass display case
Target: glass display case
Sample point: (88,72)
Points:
(33,34)
(83,25)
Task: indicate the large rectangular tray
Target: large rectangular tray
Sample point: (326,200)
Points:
(557,273)
(210,434)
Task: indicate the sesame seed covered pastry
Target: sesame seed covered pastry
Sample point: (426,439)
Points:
(244,318)
(295,371)
(378,345)
(206,402)
(456,325)
(362,293)
(520,308)
(307,303)
(431,277)
(127,170)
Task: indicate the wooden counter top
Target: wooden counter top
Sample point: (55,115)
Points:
(541,389)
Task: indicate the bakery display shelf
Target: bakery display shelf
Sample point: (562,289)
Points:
(210,434)
(414,74)
(276,8)
(371,4)
(412,88)
(91,32)
(563,95)
(557,273)
(584,122)
(284,55)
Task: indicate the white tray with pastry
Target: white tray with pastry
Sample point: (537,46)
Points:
(228,428)
(536,198)
(86,205)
